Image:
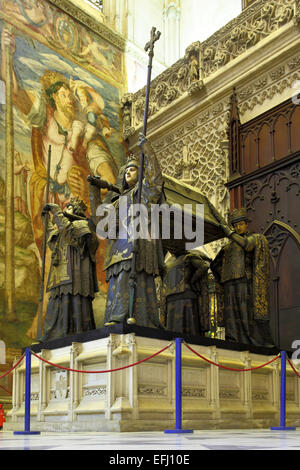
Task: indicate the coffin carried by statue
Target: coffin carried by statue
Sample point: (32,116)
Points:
(189,200)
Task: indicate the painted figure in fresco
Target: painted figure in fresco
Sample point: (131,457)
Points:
(185,292)
(72,280)
(118,257)
(100,56)
(242,268)
(92,121)
(51,116)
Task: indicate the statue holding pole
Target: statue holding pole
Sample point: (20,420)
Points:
(131,264)
(149,259)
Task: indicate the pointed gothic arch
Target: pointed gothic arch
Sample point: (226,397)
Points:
(284,243)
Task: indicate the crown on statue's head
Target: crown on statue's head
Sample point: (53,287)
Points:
(132,160)
(79,207)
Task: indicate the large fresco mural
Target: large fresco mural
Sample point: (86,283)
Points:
(65,82)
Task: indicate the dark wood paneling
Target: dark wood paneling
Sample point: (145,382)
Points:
(249,153)
(265,150)
(273,136)
(295,129)
(281,137)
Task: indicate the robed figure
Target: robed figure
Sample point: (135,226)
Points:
(185,296)
(72,280)
(120,245)
(242,267)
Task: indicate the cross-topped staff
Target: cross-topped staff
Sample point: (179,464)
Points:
(155,35)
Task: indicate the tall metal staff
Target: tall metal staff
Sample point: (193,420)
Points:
(46,220)
(155,35)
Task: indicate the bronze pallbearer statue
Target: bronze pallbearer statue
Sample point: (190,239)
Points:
(185,293)
(120,250)
(242,268)
(72,280)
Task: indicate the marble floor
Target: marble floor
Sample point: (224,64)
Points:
(141,442)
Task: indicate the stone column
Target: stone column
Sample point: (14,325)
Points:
(214,383)
(247,398)
(43,398)
(276,388)
(110,386)
(74,381)
(122,390)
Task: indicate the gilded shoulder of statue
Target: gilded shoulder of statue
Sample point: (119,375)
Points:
(81,227)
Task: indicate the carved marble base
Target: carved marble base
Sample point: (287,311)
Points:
(142,397)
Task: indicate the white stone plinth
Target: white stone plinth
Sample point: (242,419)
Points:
(142,397)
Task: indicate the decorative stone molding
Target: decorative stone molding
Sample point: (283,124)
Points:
(244,32)
(253,98)
(158,390)
(45,354)
(94,391)
(230,394)
(165,88)
(121,350)
(194,392)
(126,107)
(113,341)
(34,396)
(76,349)
(192,56)
(260,395)
(203,60)
(195,151)
(130,340)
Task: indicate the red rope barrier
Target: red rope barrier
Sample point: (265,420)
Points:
(5,389)
(101,371)
(292,366)
(230,368)
(9,371)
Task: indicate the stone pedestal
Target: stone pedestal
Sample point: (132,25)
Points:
(142,397)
